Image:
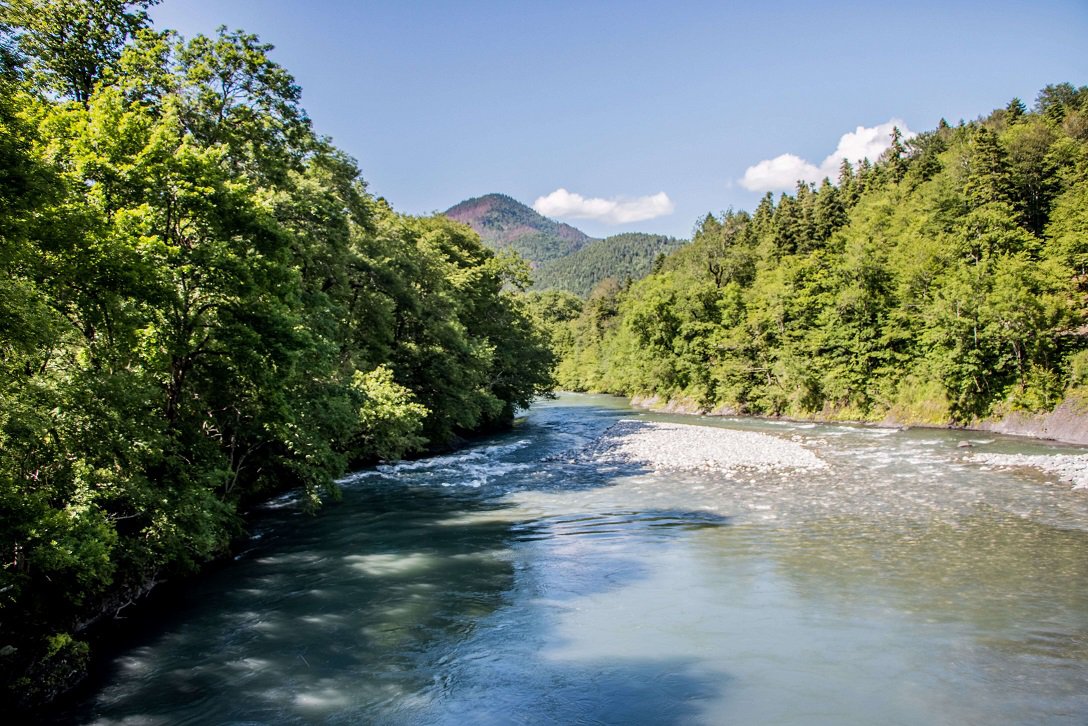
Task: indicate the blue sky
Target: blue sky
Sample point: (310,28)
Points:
(637,108)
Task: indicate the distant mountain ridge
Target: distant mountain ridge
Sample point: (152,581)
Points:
(502,222)
(562,257)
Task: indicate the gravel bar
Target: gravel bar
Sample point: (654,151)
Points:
(684,447)
(1068,468)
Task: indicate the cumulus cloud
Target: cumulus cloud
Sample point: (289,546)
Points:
(781,172)
(784,171)
(618,210)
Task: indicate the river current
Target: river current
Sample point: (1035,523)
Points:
(904,583)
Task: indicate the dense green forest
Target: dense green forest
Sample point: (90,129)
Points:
(200,304)
(943,283)
(622,256)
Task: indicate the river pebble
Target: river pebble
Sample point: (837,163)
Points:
(685,447)
(1067,467)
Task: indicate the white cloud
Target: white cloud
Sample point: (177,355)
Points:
(562,203)
(781,172)
(864,143)
(784,171)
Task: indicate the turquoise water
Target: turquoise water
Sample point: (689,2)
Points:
(903,584)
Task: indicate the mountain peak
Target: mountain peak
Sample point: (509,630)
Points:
(502,221)
(562,256)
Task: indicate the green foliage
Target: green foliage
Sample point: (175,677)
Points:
(553,311)
(942,284)
(389,418)
(623,256)
(1078,368)
(1067,230)
(68,45)
(200,304)
(59,664)
(1056,101)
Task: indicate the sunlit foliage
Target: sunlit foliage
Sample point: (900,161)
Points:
(941,284)
(201,304)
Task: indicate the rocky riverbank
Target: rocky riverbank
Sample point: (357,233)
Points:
(1068,468)
(1067,423)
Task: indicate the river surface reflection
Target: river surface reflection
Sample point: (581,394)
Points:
(903,584)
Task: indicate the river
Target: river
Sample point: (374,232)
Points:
(905,583)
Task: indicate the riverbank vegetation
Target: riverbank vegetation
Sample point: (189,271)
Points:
(200,303)
(941,284)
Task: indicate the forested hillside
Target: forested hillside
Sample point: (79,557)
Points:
(200,304)
(562,256)
(622,256)
(945,282)
(503,222)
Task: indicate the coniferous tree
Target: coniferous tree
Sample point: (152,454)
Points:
(806,207)
(1057,100)
(847,183)
(829,213)
(1015,111)
(788,225)
(988,177)
(894,158)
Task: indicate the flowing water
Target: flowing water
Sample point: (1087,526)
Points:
(902,584)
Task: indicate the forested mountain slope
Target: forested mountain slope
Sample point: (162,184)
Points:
(622,256)
(562,257)
(200,303)
(503,222)
(941,284)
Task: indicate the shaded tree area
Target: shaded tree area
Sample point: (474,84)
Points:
(942,283)
(200,303)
